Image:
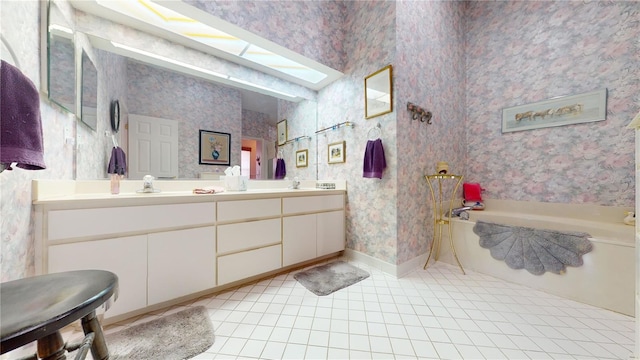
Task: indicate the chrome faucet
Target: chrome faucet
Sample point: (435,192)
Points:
(147,185)
(295,184)
(457,211)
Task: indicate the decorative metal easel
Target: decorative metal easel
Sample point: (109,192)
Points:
(439,217)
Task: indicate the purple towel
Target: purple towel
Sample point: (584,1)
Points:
(374,161)
(281,169)
(118,161)
(20,123)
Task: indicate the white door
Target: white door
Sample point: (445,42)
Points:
(153,147)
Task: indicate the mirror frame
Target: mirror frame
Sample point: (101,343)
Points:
(88,68)
(377,77)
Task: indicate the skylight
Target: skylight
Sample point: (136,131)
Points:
(167,19)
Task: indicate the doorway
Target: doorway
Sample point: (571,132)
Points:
(251,161)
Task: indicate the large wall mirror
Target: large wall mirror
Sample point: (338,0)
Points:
(378,93)
(166,95)
(60,63)
(197,103)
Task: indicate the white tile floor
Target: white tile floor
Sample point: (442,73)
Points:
(436,313)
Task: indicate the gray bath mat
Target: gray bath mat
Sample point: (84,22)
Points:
(178,336)
(536,250)
(326,279)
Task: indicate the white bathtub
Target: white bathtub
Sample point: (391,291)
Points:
(607,277)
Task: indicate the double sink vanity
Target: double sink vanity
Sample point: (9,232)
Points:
(174,245)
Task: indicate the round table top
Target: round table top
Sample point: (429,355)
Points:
(37,306)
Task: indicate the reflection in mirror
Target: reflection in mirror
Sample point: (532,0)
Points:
(200,104)
(61,60)
(378,93)
(89,96)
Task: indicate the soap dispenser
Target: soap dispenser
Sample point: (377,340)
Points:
(115,184)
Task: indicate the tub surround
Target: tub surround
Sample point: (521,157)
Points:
(606,278)
(155,241)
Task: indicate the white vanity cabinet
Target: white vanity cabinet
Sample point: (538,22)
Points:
(169,248)
(249,238)
(158,252)
(312,226)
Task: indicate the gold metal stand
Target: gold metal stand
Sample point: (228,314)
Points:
(439,219)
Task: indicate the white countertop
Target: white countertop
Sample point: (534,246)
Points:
(97,192)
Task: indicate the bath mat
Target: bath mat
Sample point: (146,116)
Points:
(326,279)
(536,250)
(178,336)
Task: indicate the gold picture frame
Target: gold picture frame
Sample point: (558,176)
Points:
(281,128)
(336,152)
(302,158)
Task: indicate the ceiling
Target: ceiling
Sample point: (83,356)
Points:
(158,17)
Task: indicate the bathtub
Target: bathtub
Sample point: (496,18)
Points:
(607,277)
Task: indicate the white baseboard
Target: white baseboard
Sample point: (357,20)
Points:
(395,270)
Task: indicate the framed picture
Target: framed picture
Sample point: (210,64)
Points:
(564,110)
(301,158)
(215,148)
(336,152)
(282,132)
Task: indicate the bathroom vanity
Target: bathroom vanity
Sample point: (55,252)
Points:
(174,245)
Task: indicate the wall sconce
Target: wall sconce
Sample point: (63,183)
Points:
(419,113)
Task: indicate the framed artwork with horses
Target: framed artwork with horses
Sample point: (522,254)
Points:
(558,111)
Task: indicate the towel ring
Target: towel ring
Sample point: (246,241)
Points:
(13,59)
(378,132)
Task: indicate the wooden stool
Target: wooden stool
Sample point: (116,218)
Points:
(36,308)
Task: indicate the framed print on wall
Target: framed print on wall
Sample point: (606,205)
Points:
(282,132)
(302,158)
(336,152)
(215,148)
(558,111)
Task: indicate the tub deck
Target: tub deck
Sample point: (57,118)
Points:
(606,279)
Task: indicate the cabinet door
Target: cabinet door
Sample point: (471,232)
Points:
(126,257)
(298,239)
(330,230)
(181,262)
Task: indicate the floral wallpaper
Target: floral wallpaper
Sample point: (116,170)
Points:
(17,247)
(372,207)
(310,28)
(301,121)
(257,125)
(523,52)
(94,148)
(428,72)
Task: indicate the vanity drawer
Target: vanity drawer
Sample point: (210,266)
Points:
(246,264)
(304,204)
(248,209)
(248,235)
(67,224)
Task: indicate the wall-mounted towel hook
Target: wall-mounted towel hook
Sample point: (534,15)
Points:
(419,113)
